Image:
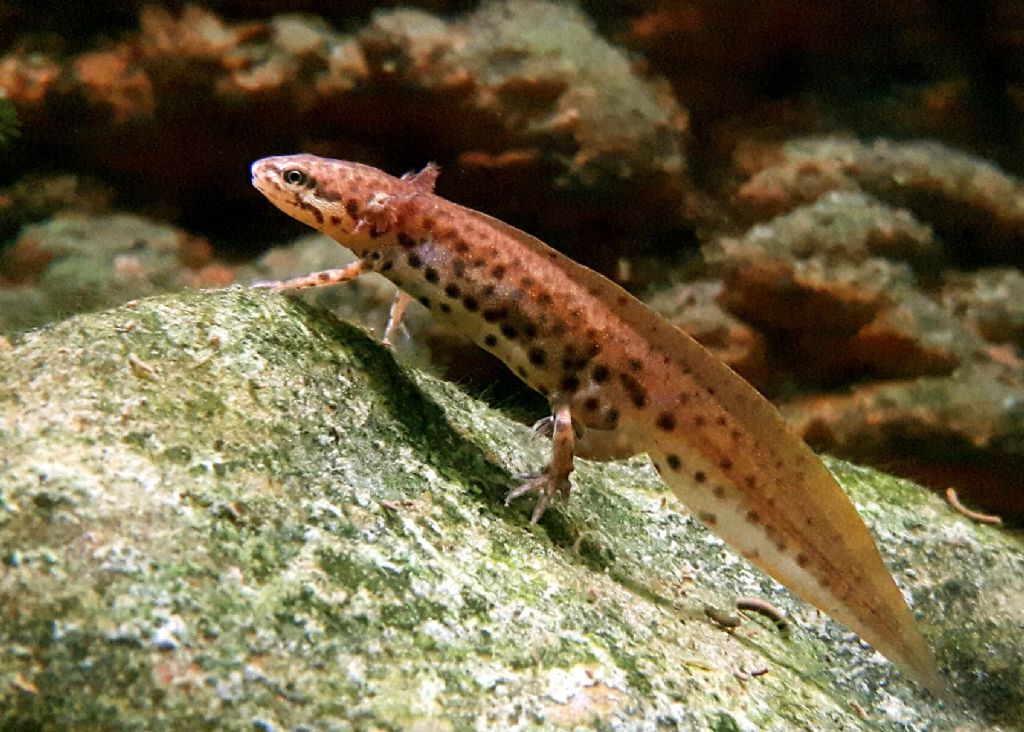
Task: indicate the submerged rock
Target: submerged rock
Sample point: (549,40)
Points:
(228,509)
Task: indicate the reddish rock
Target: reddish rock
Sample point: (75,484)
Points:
(533,115)
(819,268)
(990,301)
(962,430)
(915,336)
(976,207)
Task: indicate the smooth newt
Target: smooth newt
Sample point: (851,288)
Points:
(616,373)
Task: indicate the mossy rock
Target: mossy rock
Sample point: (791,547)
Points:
(230,510)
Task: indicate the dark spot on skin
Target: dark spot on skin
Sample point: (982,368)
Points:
(488,290)
(699,476)
(558,328)
(666,421)
(545,298)
(735,435)
(490,340)
(317,213)
(458,268)
(711,391)
(636,392)
(543,390)
(552,255)
(572,360)
(612,416)
(445,307)
(521,371)
(386,265)
(431,275)
(426,301)
(700,420)
(708,518)
(635,364)
(592,404)
(687,370)
(352,207)
(427,223)
(674,462)
(569,383)
(600,373)
(667,361)
(452,290)
(537,356)
(461,247)
(622,300)
(753,517)
(719,491)
(414,260)
(530,330)
(751,481)
(374,256)
(335,219)
(324,276)
(508,331)
(495,314)
(470,304)
(725,464)
(683,398)
(498,272)
(526,282)
(801,560)
(780,544)
(479,263)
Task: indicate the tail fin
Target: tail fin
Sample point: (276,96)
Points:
(808,536)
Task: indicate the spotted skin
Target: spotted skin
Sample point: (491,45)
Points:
(621,381)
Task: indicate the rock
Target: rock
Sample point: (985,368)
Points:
(228,509)
(693,307)
(972,203)
(77,262)
(991,301)
(521,97)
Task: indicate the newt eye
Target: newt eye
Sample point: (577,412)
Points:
(295,177)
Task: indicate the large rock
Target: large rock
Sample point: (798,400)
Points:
(229,510)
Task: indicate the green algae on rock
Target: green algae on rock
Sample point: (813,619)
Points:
(228,510)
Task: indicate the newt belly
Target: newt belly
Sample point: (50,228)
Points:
(627,379)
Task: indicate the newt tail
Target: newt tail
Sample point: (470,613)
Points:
(620,381)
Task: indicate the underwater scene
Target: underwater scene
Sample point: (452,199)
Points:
(511,365)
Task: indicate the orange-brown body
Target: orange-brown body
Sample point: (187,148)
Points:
(633,382)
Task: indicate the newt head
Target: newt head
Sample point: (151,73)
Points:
(340,198)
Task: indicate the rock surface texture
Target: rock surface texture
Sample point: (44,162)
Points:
(227,510)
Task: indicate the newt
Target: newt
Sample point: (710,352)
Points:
(620,381)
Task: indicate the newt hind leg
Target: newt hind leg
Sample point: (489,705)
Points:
(555,477)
